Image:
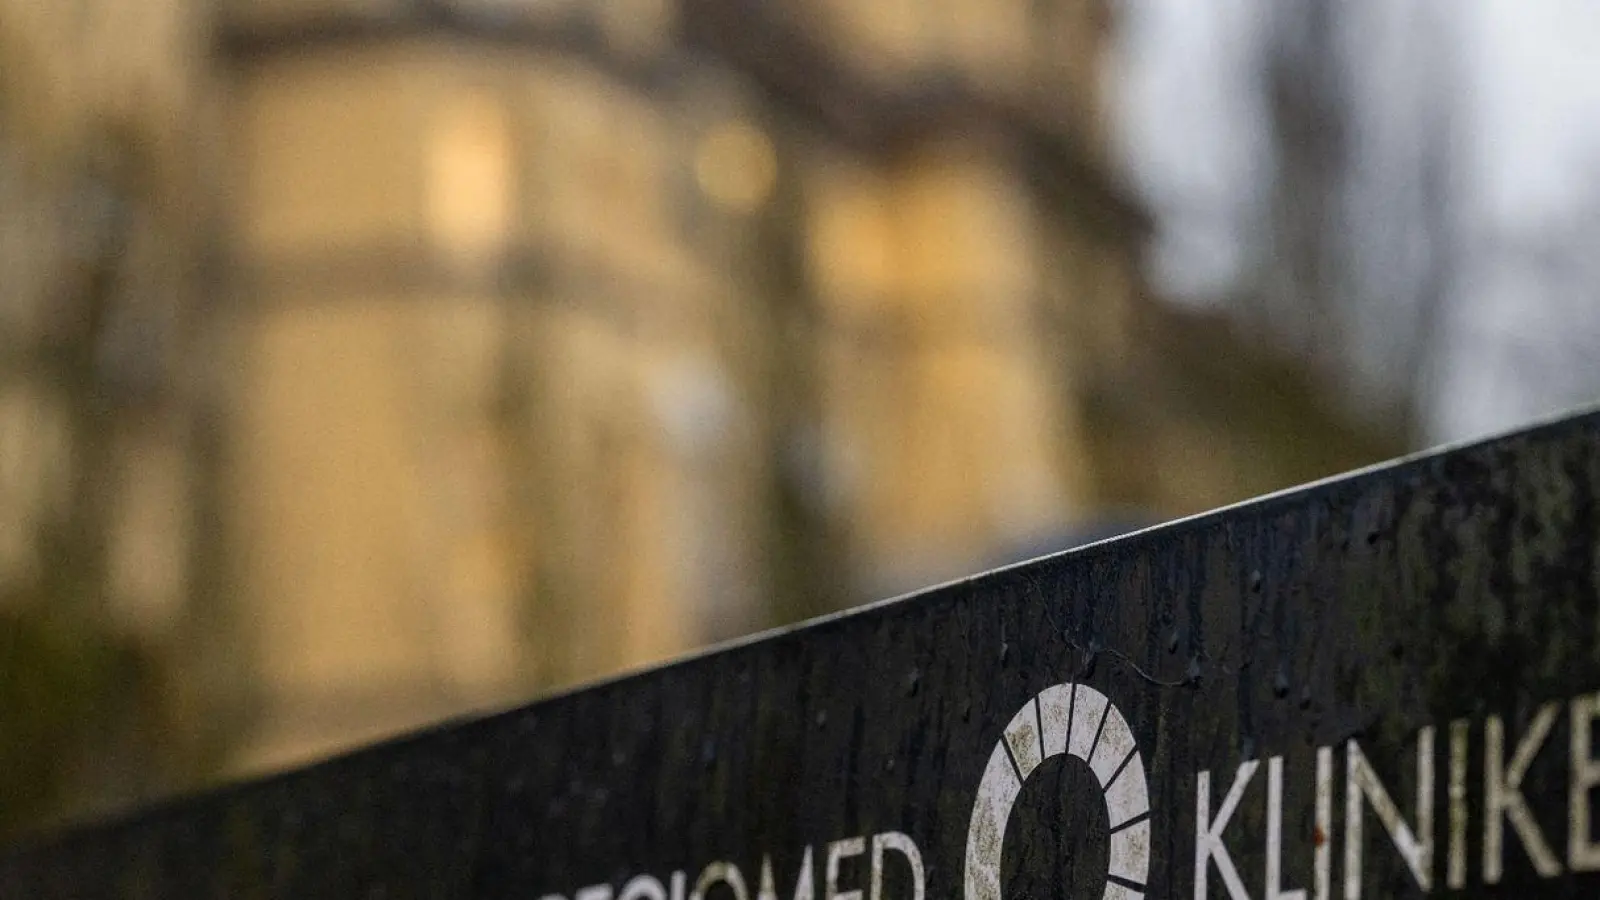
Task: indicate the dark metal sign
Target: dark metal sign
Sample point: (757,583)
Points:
(1385,685)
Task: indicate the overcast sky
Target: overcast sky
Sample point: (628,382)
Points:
(1530,119)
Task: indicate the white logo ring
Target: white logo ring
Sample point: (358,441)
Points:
(1079,721)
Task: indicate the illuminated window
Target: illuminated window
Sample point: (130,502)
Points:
(470,194)
(736,166)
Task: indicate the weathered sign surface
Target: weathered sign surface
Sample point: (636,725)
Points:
(1385,685)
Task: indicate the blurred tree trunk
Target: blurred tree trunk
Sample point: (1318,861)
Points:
(1304,287)
(806,553)
(68,682)
(91,237)
(1360,284)
(1438,174)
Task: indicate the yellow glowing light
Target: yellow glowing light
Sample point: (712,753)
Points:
(470,185)
(736,166)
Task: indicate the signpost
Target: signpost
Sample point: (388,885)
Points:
(1385,685)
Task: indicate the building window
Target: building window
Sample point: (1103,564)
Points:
(471,193)
(736,166)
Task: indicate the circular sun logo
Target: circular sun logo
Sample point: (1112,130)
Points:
(1079,721)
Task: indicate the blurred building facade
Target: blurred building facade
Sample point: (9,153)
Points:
(567,337)
(489,346)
